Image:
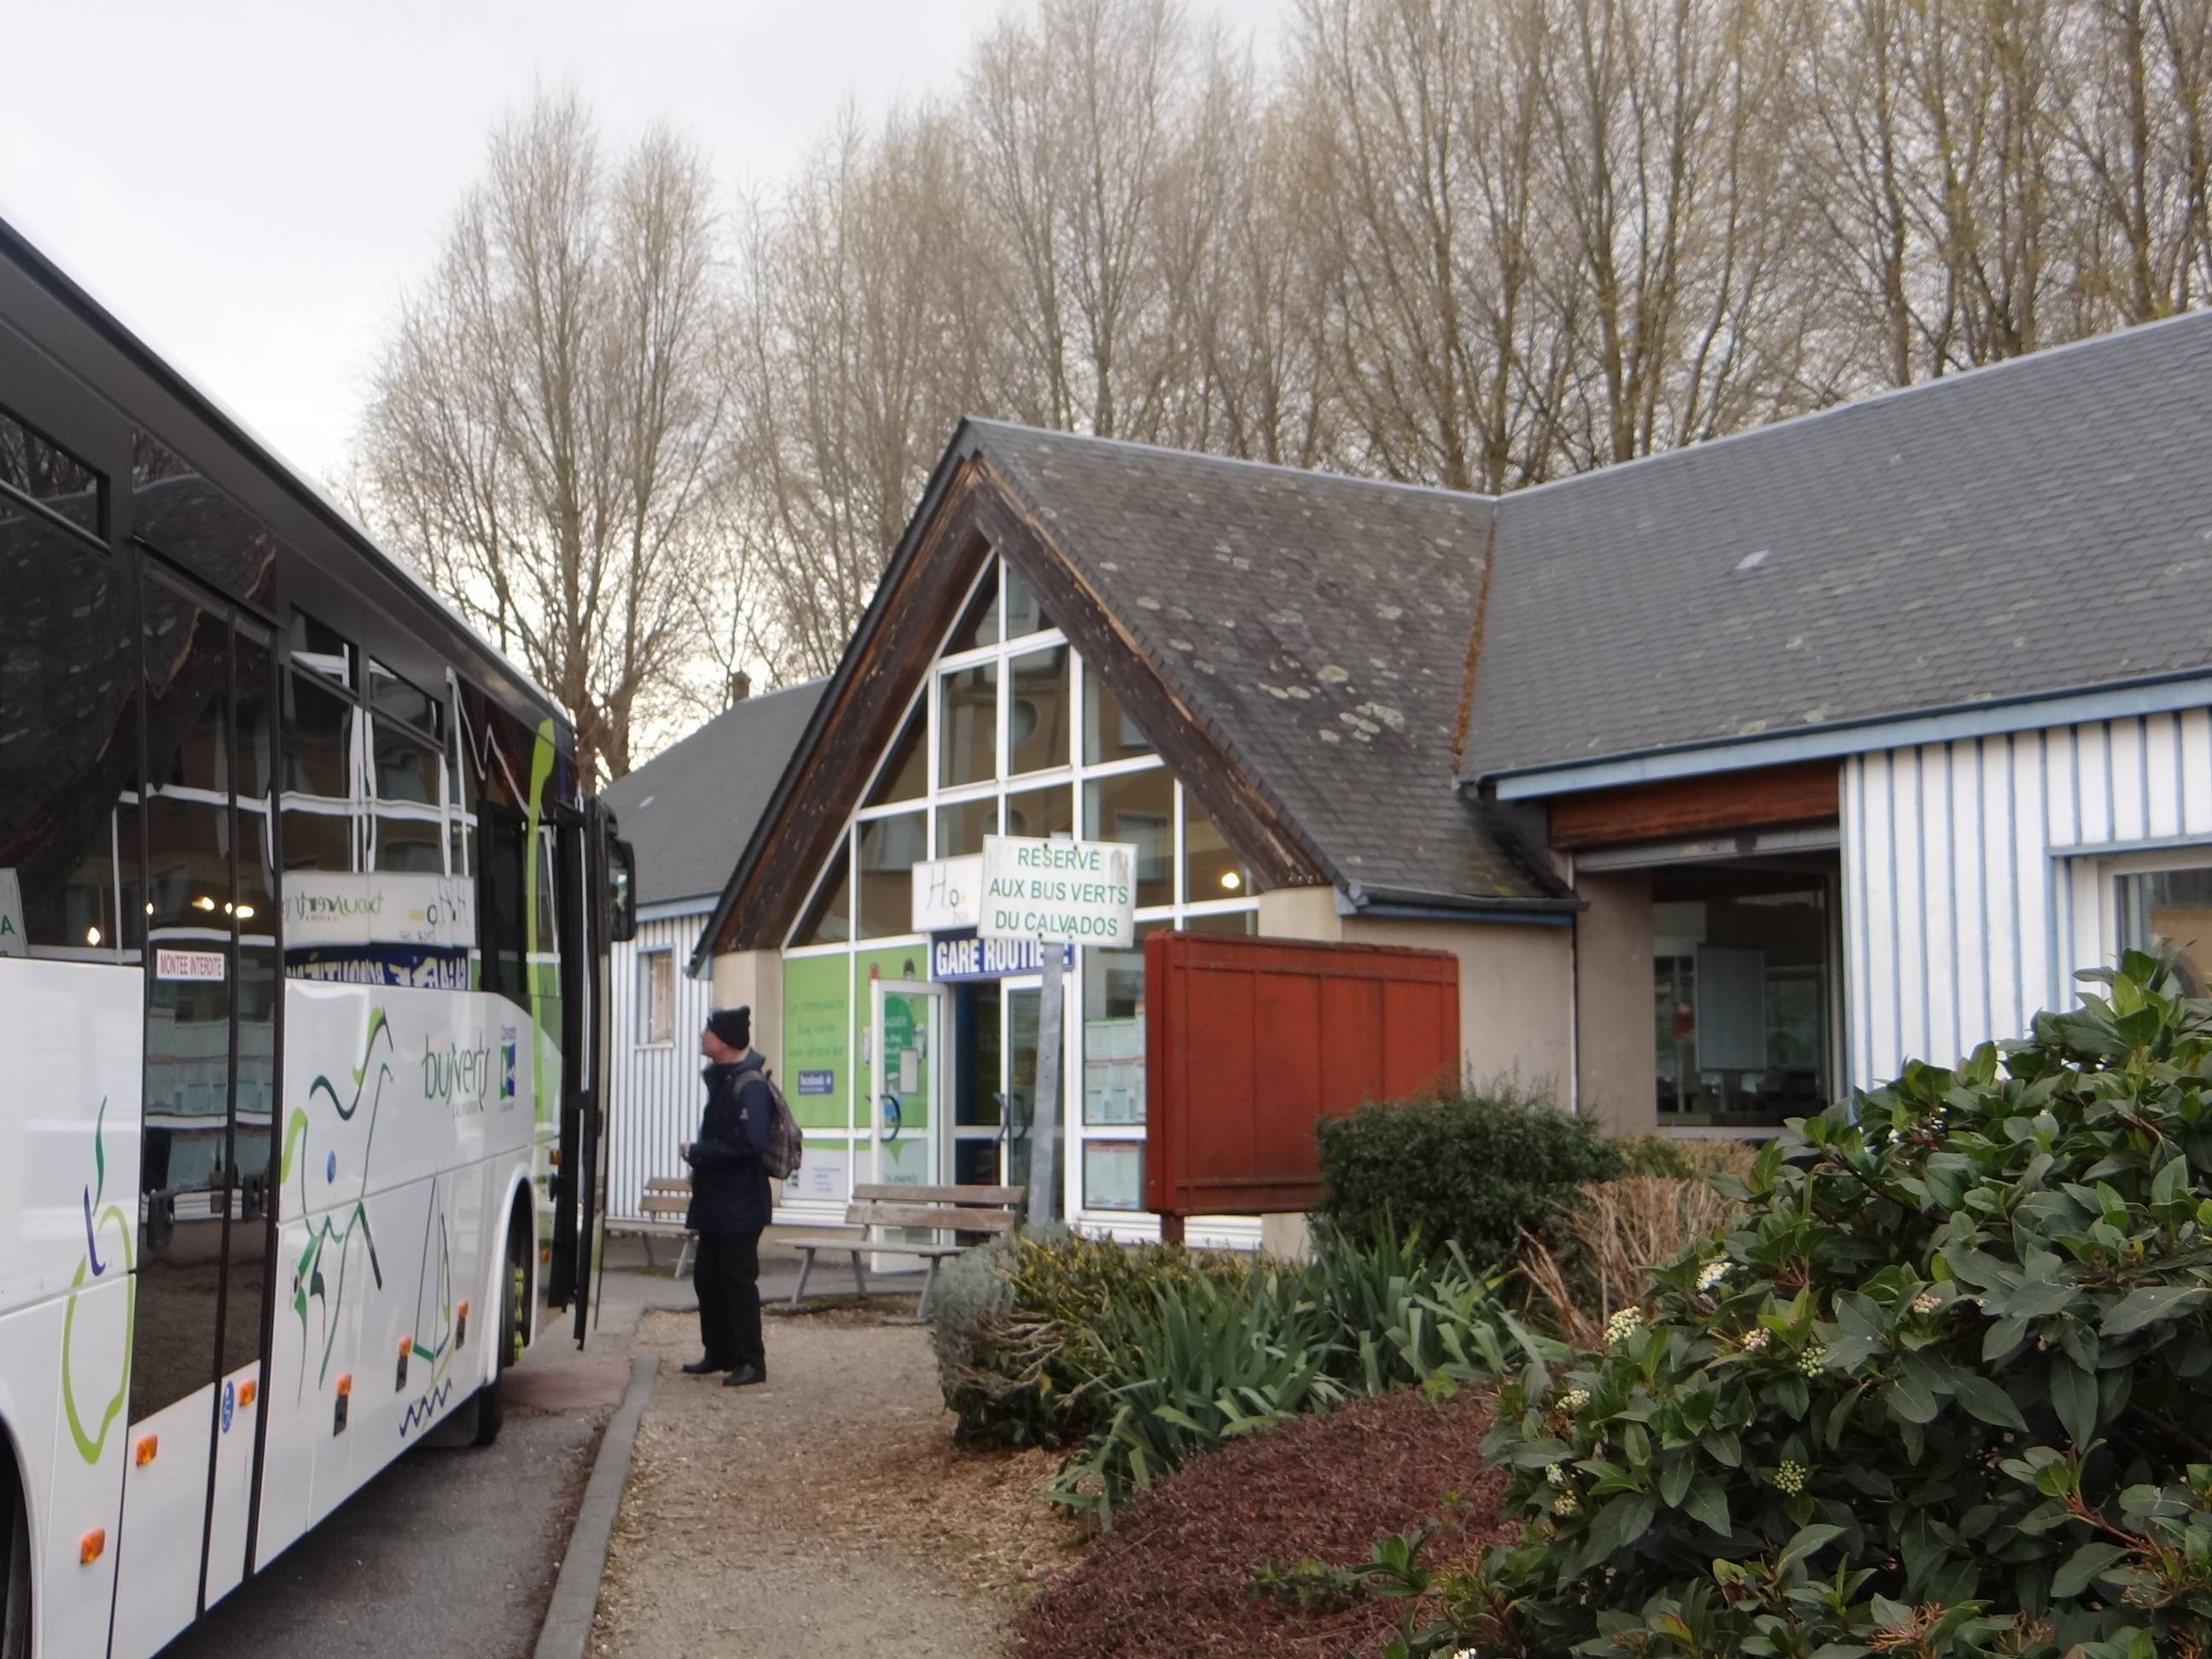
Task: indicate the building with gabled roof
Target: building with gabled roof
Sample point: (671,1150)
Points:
(1732,777)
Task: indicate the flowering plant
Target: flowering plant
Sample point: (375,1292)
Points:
(1946,1390)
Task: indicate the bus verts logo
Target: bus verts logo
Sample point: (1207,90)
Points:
(459,1078)
(90,1443)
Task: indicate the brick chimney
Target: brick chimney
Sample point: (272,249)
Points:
(741,687)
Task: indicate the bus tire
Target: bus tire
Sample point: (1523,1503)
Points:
(14,1562)
(508,1336)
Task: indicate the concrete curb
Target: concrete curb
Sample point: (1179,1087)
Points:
(568,1628)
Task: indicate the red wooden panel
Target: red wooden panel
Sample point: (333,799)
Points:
(1249,1042)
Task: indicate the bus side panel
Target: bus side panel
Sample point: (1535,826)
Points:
(164,1512)
(75,1503)
(400,1106)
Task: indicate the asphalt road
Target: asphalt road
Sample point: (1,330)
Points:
(451,1552)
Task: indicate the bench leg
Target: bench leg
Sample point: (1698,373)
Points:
(859,1274)
(684,1256)
(928,1283)
(805,1266)
(650,1264)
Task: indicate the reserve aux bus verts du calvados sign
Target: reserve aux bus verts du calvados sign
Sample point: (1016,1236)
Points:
(1073,892)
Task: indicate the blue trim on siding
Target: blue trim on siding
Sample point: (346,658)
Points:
(1834,742)
(2016,1016)
(676,909)
(2091,849)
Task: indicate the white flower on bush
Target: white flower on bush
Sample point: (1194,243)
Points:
(1711,1274)
(1926,1302)
(1555,1474)
(1790,1477)
(1811,1361)
(1754,1339)
(1623,1325)
(1573,1400)
(1566,1503)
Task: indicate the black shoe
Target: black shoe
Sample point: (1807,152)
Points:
(703,1367)
(744,1376)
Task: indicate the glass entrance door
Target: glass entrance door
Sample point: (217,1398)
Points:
(909,1138)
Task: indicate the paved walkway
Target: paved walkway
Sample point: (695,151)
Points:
(754,1525)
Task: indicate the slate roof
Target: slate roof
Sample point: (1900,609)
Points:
(689,811)
(2038,526)
(1315,625)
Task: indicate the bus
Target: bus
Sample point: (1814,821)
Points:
(303,912)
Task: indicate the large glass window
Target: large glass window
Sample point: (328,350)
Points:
(68,745)
(979,624)
(1211,871)
(1740,991)
(968,726)
(1114,1038)
(1137,807)
(829,918)
(44,472)
(889,849)
(2172,908)
(1109,735)
(905,775)
(1041,813)
(1024,615)
(1037,712)
(962,825)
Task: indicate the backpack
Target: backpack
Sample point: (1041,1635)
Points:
(786,1145)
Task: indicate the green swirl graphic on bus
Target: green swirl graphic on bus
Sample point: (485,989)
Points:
(312,1274)
(89,1445)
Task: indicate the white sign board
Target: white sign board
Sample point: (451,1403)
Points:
(12,942)
(1074,893)
(948,894)
(187,965)
(383,907)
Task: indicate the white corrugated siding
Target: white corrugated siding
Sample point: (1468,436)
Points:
(1960,923)
(654,1095)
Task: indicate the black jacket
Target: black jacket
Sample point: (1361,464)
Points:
(729,1183)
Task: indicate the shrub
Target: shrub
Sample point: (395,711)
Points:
(1213,1357)
(1025,1328)
(1616,1235)
(1941,1393)
(1473,1170)
(1701,1158)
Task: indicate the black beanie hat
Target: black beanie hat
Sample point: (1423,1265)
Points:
(733,1026)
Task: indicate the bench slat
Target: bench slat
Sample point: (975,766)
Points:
(655,1205)
(924,1215)
(887,1192)
(667,1184)
(859,1245)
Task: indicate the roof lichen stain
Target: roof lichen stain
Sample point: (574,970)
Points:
(1329,674)
(1148,602)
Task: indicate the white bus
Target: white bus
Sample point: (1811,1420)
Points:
(302,913)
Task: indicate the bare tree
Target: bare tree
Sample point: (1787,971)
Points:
(546,418)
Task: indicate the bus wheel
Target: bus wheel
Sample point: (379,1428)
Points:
(508,1336)
(14,1566)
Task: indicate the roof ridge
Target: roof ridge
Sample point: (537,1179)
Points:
(984,423)
(2042,357)
(714,719)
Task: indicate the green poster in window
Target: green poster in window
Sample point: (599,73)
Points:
(815,1067)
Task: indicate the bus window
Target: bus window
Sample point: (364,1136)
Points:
(502,847)
(68,740)
(35,470)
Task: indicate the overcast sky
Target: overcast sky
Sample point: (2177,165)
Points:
(250,184)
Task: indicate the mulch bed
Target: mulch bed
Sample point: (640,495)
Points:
(1173,1578)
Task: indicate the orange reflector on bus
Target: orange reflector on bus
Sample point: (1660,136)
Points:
(245,1392)
(406,1343)
(554,1153)
(149,1448)
(92,1546)
(345,1384)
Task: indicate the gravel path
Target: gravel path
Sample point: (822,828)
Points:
(824,1512)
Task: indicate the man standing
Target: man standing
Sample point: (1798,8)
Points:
(730,1202)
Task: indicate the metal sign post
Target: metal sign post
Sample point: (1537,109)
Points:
(1044,1121)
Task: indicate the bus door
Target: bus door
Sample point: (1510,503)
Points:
(206,1217)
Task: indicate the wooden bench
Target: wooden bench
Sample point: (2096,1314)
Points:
(942,1209)
(667,1200)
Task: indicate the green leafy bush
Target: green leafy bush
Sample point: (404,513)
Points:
(1946,1391)
(1472,1170)
(1211,1357)
(1026,1329)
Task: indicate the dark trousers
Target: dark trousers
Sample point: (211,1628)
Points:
(727,1273)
